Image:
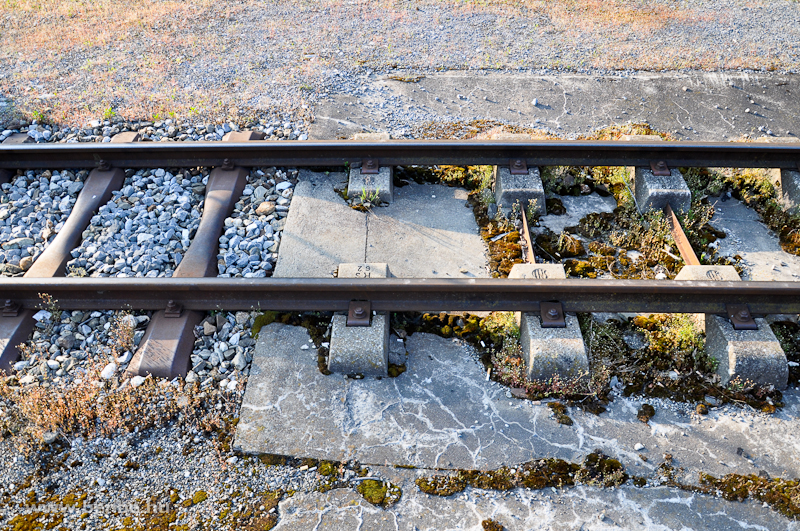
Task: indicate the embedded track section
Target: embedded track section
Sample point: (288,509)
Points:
(194,288)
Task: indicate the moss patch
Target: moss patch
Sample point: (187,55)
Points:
(491,525)
(379,493)
(560,413)
(780,494)
(597,470)
(441,485)
(645,413)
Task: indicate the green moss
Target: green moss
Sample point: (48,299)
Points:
(560,413)
(327,468)
(555,207)
(199,497)
(261,321)
(379,493)
(274,459)
(441,485)
(597,469)
(600,470)
(396,370)
(780,494)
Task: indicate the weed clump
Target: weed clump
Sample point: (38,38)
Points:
(664,356)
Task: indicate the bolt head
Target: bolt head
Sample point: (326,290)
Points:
(552,313)
(359,312)
(744,315)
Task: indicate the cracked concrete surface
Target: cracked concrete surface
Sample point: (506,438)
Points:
(579,508)
(443,413)
(715,106)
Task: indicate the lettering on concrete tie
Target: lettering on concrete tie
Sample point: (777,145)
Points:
(363,271)
(713,274)
(539,274)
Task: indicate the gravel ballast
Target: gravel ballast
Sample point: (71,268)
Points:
(249,244)
(146,227)
(33,208)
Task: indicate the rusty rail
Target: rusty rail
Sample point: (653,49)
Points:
(681,241)
(577,295)
(402,152)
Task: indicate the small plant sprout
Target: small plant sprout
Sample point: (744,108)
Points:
(370,197)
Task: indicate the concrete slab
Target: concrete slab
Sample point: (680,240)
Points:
(787,181)
(654,192)
(443,413)
(362,270)
(716,273)
(427,233)
(790,188)
(553,352)
(360,350)
(321,230)
(537,271)
(510,189)
(712,107)
(749,238)
(754,355)
(658,508)
(577,208)
(369,186)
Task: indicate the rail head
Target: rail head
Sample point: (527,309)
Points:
(402,152)
(393,294)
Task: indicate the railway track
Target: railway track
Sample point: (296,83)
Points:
(180,301)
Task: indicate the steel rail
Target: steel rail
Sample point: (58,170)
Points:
(401,152)
(576,295)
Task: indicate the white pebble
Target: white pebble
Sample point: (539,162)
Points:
(108,371)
